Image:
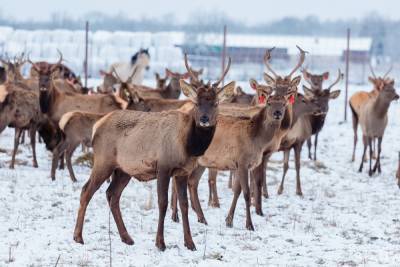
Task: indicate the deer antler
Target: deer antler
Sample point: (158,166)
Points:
(32,63)
(372,70)
(267,57)
(189,69)
(224,73)
(301,61)
(337,80)
(386,74)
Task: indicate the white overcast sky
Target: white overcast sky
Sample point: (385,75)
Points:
(248,11)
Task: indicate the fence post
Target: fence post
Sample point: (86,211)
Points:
(223,54)
(85,63)
(347,74)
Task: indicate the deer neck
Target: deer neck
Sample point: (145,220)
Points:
(47,99)
(381,106)
(172,87)
(198,139)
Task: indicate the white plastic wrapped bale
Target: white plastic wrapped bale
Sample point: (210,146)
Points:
(20,36)
(62,36)
(122,38)
(141,39)
(108,52)
(167,38)
(5,33)
(34,50)
(169,55)
(49,51)
(78,37)
(100,38)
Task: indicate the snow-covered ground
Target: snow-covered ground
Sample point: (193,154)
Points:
(345,218)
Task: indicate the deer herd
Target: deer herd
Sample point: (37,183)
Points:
(149,133)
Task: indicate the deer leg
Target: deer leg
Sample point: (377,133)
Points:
(32,136)
(374,148)
(22,141)
(378,159)
(174,201)
(297,154)
(68,155)
(213,200)
(364,153)
(315,146)
(100,172)
(370,155)
(119,182)
(244,184)
(181,185)
(163,178)
(60,148)
(256,181)
(230,179)
(61,161)
(309,147)
(355,126)
(264,175)
(193,181)
(286,155)
(17,136)
(236,193)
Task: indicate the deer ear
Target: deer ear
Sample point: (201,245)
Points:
(238,90)
(325,76)
(253,84)
(371,79)
(157,75)
(308,92)
(188,90)
(227,91)
(168,73)
(334,94)
(295,81)
(268,79)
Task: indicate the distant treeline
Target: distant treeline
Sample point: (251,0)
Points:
(384,32)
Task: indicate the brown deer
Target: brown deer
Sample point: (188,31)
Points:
(19,109)
(56,103)
(358,100)
(302,129)
(152,145)
(315,81)
(373,119)
(250,136)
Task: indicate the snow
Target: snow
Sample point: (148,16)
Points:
(345,217)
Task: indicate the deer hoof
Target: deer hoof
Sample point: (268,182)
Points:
(265,195)
(229,222)
(370,173)
(35,165)
(280,191)
(213,204)
(259,212)
(78,239)
(175,217)
(249,226)
(160,245)
(299,193)
(190,245)
(127,240)
(202,220)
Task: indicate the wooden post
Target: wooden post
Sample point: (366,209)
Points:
(223,54)
(85,63)
(347,74)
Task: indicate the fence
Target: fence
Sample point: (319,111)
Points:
(205,51)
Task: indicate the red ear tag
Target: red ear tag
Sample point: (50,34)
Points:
(291,99)
(261,99)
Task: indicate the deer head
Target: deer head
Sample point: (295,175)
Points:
(315,80)
(206,96)
(379,82)
(161,83)
(323,96)
(13,67)
(46,72)
(283,85)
